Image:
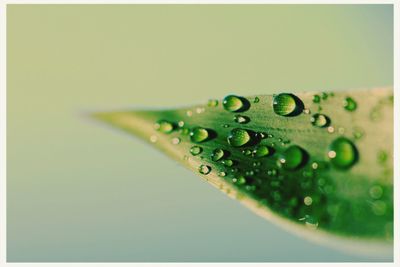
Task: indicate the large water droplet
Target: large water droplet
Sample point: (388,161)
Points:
(195,150)
(292,158)
(342,153)
(320,120)
(164,126)
(199,134)
(204,169)
(287,105)
(239,137)
(235,103)
(241,119)
(217,154)
(349,104)
(262,151)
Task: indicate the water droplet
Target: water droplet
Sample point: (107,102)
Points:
(256,99)
(376,192)
(217,154)
(306,111)
(164,126)
(241,119)
(358,133)
(240,180)
(195,150)
(204,169)
(342,153)
(225,125)
(212,103)
(235,103)
(200,110)
(262,151)
(199,134)
(314,165)
(175,140)
(222,174)
(189,113)
(292,158)
(382,156)
(349,104)
(320,120)
(308,201)
(316,98)
(256,164)
(228,162)
(272,172)
(181,123)
(331,129)
(247,152)
(238,137)
(287,105)
(379,207)
(324,96)
(153,138)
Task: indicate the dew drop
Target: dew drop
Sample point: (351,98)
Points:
(342,153)
(234,103)
(349,104)
(379,207)
(199,134)
(376,192)
(204,169)
(292,158)
(324,96)
(195,150)
(222,174)
(287,105)
(320,120)
(189,113)
(228,162)
(262,151)
(164,126)
(181,123)
(238,137)
(212,103)
(331,129)
(316,98)
(247,152)
(175,140)
(153,138)
(256,99)
(308,201)
(241,119)
(225,125)
(217,154)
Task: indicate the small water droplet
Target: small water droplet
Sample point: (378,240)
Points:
(308,201)
(199,134)
(212,103)
(238,137)
(314,165)
(241,119)
(204,169)
(287,105)
(225,125)
(195,150)
(256,164)
(358,133)
(349,104)
(234,103)
(376,192)
(164,126)
(222,174)
(331,129)
(316,98)
(247,152)
(262,151)
(306,111)
(382,156)
(379,207)
(320,120)
(342,153)
(181,123)
(228,162)
(200,110)
(239,180)
(184,131)
(153,138)
(256,99)
(324,96)
(189,113)
(175,140)
(217,154)
(292,158)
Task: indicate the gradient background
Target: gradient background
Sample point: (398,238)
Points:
(80,192)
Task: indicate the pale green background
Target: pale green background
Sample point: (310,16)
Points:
(81,192)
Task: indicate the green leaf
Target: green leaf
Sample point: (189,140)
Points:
(318,164)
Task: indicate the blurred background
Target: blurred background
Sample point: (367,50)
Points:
(77,191)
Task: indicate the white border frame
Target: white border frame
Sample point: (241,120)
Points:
(3,123)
